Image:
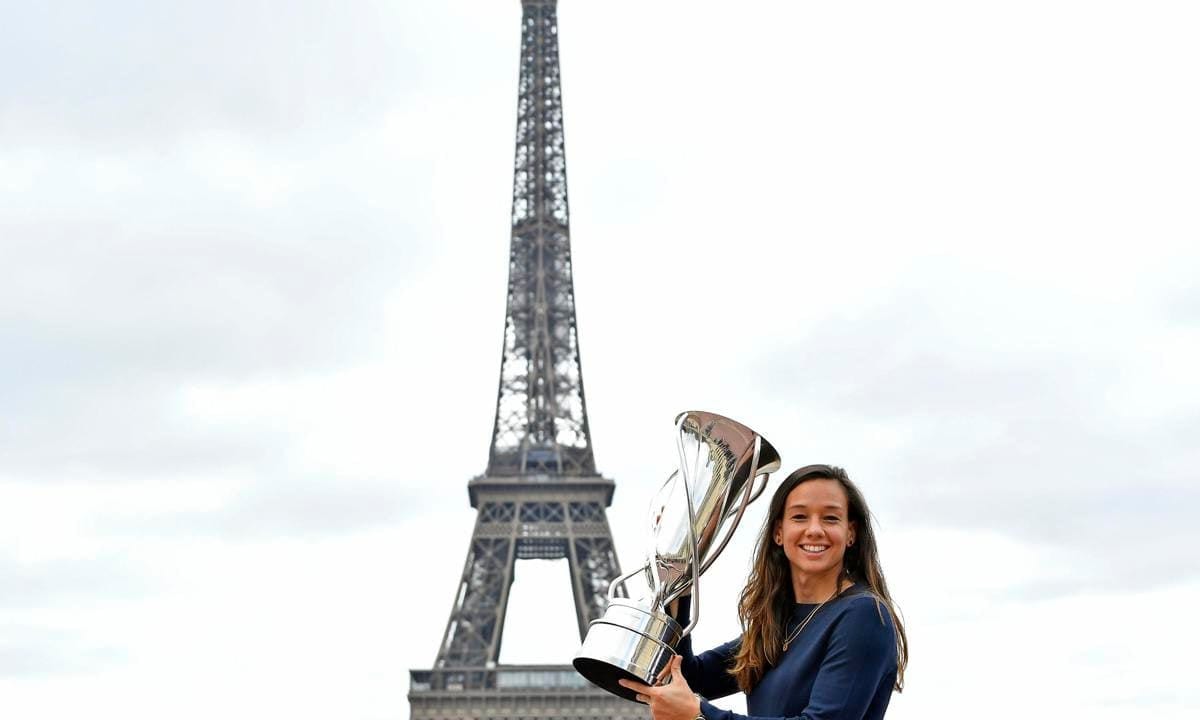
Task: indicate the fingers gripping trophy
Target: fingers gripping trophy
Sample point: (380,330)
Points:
(723,467)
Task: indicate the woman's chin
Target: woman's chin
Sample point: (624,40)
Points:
(815,566)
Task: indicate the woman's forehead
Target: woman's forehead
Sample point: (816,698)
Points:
(817,493)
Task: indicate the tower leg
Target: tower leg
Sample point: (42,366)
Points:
(473,632)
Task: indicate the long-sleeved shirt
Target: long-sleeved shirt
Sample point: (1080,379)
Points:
(842,666)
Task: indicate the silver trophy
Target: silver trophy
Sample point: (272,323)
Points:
(691,519)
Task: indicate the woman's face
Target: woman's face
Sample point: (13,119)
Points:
(815,527)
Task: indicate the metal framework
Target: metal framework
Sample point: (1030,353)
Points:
(541,497)
(541,417)
(513,524)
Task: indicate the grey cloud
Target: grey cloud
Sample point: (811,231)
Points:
(131,304)
(131,71)
(120,433)
(68,581)
(1019,440)
(51,652)
(100,331)
(113,296)
(284,508)
(1184,307)
(901,360)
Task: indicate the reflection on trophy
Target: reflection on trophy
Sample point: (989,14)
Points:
(692,518)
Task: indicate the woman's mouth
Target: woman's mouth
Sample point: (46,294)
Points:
(814,549)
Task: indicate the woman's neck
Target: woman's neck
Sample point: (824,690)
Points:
(817,588)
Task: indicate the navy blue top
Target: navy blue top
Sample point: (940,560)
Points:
(841,667)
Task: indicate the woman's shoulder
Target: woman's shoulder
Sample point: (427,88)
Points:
(864,633)
(864,612)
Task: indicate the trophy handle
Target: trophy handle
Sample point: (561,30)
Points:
(749,495)
(753,496)
(612,586)
(687,492)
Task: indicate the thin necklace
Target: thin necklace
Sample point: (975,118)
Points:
(788,640)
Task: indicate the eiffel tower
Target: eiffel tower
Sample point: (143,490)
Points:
(541,496)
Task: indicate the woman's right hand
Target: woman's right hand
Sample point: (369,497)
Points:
(673,700)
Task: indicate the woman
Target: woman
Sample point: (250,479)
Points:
(821,639)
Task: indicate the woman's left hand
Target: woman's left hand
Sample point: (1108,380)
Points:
(672,701)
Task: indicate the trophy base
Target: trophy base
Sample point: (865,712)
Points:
(629,642)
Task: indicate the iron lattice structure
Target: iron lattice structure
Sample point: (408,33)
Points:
(541,497)
(541,417)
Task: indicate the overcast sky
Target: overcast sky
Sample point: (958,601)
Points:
(252,276)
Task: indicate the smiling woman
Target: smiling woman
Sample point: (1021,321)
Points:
(821,637)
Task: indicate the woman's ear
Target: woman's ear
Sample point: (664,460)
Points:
(852,534)
(777,533)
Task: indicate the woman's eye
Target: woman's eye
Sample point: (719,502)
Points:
(797,517)
(832,518)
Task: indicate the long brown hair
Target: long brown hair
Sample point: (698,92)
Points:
(767,601)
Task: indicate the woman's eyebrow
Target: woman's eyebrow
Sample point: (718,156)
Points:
(802,506)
